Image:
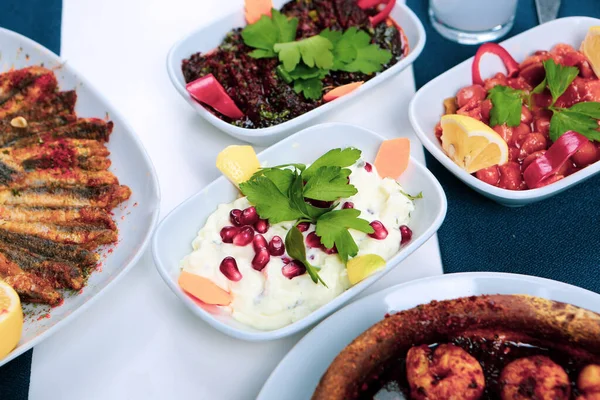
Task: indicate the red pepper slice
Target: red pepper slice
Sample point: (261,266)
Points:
(209,91)
(512,67)
(554,158)
(382,16)
(366,4)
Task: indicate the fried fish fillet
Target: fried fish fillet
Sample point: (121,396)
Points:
(56,192)
(30,287)
(79,196)
(15,81)
(88,236)
(60,216)
(61,275)
(41,87)
(47,248)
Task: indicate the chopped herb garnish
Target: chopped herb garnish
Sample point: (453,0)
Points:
(280,194)
(305,62)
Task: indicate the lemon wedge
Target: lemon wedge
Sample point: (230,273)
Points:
(590,47)
(471,144)
(11,319)
(361,267)
(238,163)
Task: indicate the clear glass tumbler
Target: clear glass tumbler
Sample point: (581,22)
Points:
(472,21)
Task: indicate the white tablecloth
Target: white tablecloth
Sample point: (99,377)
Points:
(138,341)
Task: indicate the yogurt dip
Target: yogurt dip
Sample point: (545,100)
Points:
(267,299)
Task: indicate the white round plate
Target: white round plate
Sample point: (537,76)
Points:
(298,374)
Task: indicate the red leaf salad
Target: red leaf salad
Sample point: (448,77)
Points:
(281,65)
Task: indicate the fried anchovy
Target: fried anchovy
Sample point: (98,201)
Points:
(98,196)
(13,82)
(56,177)
(30,287)
(10,133)
(60,216)
(89,236)
(59,274)
(55,104)
(86,154)
(47,248)
(83,128)
(42,87)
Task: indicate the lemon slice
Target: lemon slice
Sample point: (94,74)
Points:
(590,47)
(11,319)
(238,163)
(471,144)
(361,267)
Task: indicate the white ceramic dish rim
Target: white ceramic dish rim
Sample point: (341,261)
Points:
(439,154)
(463,276)
(53,329)
(414,52)
(316,315)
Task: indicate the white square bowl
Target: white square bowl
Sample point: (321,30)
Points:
(426,108)
(135,219)
(210,36)
(173,237)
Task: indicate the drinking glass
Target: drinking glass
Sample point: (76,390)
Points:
(472,21)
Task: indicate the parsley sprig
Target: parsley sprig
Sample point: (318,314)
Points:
(581,117)
(280,193)
(305,62)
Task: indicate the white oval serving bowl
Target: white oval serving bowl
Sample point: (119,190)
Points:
(311,357)
(426,108)
(135,219)
(173,237)
(210,36)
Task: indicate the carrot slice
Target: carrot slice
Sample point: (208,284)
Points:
(203,289)
(392,158)
(256,9)
(341,91)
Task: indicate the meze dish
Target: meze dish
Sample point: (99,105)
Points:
(478,347)
(532,126)
(56,193)
(288,62)
(300,235)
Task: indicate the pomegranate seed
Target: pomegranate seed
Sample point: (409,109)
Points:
(259,242)
(303,226)
(319,203)
(234,216)
(368,167)
(261,226)
(228,232)
(249,216)
(380,231)
(286,260)
(230,269)
(261,259)
(313,241)
(406,234)
(348,204)
(332,250)
(293,269)
(244,236)
(276,246)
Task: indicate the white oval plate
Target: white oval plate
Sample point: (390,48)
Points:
(426,108)
(210,36)
(298,374)
(135,218)
(173,237)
